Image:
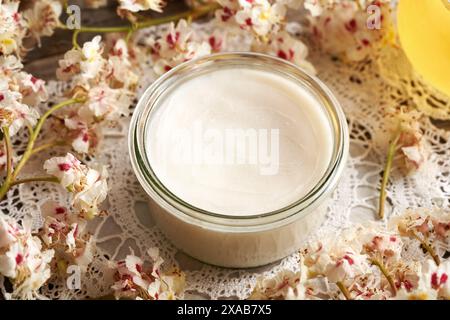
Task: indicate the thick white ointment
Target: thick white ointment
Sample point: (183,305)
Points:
(194,136)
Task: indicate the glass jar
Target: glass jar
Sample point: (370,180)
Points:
(230,240)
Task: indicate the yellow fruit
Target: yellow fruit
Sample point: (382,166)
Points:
(424,30)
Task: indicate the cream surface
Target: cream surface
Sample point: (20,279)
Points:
(239,141)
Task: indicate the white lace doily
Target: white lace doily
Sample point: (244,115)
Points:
(362,88)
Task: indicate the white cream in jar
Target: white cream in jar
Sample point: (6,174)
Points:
(239,100)
(238,153)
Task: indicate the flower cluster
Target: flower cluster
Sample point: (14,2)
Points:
(351,29)
(262,17)
(87,185)
(432,230)
(141,5)
(19,91)
(106,84)
(128,8)
(403,126)
(22,259)
(43,18)
(13,28)
(433,283)
(135,281)
(178,44)
(285,46)
(64,231)
(369,263)
(266,21)
(283,285)
(26,256)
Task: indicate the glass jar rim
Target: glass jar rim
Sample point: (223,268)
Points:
(183,210)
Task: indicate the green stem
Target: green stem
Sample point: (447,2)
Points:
(35,179)
(9,151)
(6,184)
(387,172)
(428,248)
(47,145)
(386,274)
(29,150)
(193,13)
(75,39)
(344,290)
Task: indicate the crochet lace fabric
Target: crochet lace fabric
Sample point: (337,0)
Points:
(362,89)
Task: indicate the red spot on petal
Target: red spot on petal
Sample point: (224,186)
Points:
(444,278)
(2,97)
(64,166)
(139,268)
(212,41)
(393,239)
(75,232)
(172,39)
(215,43)
(281,54)
(227,14)
(434,281)
(248,22)
(85,137)
(351,26)
(376,241)
(408,285)
(349,259)
(60,210)
(19,258)
(291,54)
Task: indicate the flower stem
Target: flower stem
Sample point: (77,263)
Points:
(193,13)
(35,179)
(5,186)
(29,150)
(388,277)
(387,172)
(344,290)
(75,39)
(428,248)
(48,145)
